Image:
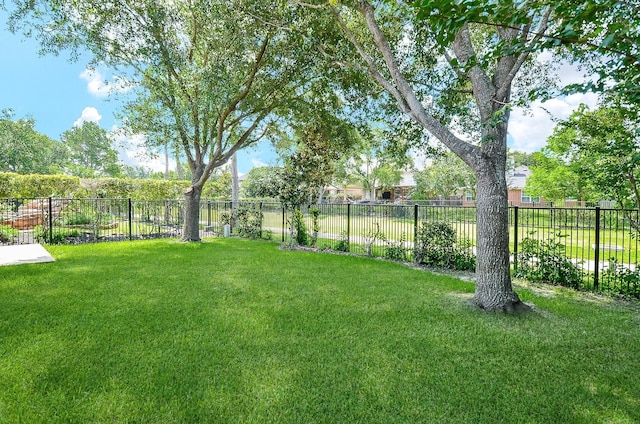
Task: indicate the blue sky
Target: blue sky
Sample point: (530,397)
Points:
(58,93)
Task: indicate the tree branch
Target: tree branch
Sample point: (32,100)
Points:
(466,151)
(243,94)
(372,67)
(506,83)
(483,88)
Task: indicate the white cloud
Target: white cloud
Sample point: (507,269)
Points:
(89,114)
(529,129)
(133,152)
(99,86)
(257,163)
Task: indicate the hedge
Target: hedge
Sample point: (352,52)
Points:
(65,186)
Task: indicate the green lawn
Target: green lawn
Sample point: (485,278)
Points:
(235,331)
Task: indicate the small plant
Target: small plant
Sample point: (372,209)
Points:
(547,262)
(343,243)
(300,229)
(395,250)
(86,218)
(437,245)
(371,236)
(315,229)
(8,234)
(57,236)
(247,222)
(621,280)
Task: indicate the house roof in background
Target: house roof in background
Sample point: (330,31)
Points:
(518,178)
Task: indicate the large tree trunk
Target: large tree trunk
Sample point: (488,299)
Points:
(191,230)
(493,267)
(493,285)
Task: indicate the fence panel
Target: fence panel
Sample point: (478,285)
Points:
(601,243)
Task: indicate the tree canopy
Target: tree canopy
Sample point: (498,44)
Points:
(446,176)
(24,150)
(263,182)
(372,162)
(592,155)
(91,152)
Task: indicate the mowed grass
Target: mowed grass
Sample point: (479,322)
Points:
(234,331)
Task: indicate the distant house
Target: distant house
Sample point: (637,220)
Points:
(516,183)
(339,194)
(400,191)
(516,194)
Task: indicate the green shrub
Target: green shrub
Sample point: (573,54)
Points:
(34,185)
(85,216)
(343,243)
(301,234)
(437,245)
(547,262)
(315,215)
(246,222)
(621,280)
(58,236)
(8,234)
(395,250)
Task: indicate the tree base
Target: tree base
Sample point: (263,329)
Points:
(191,240)
(509,307)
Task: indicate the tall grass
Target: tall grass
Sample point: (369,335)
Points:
(232,331)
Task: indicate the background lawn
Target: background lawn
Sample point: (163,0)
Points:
(234,331)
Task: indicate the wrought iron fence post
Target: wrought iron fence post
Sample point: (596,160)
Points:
(284,210)
(130,213)
(415,230)
(348,226)
(597,250)
(515,238)
(50,220)
(261,220)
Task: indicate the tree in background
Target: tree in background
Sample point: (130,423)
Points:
(599,152)
(447,176)
(521,158)
(219,73)
(311,164)
(556,180)
(136,172)
(91,152)
(25,151)
(263,182)
(372,163)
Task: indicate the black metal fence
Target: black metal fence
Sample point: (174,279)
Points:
(601,243)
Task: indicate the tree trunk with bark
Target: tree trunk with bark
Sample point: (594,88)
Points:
(191,229)
(493,270)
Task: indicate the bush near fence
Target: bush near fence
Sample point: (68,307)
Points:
(598,247)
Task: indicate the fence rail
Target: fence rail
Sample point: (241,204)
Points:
(598,241)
